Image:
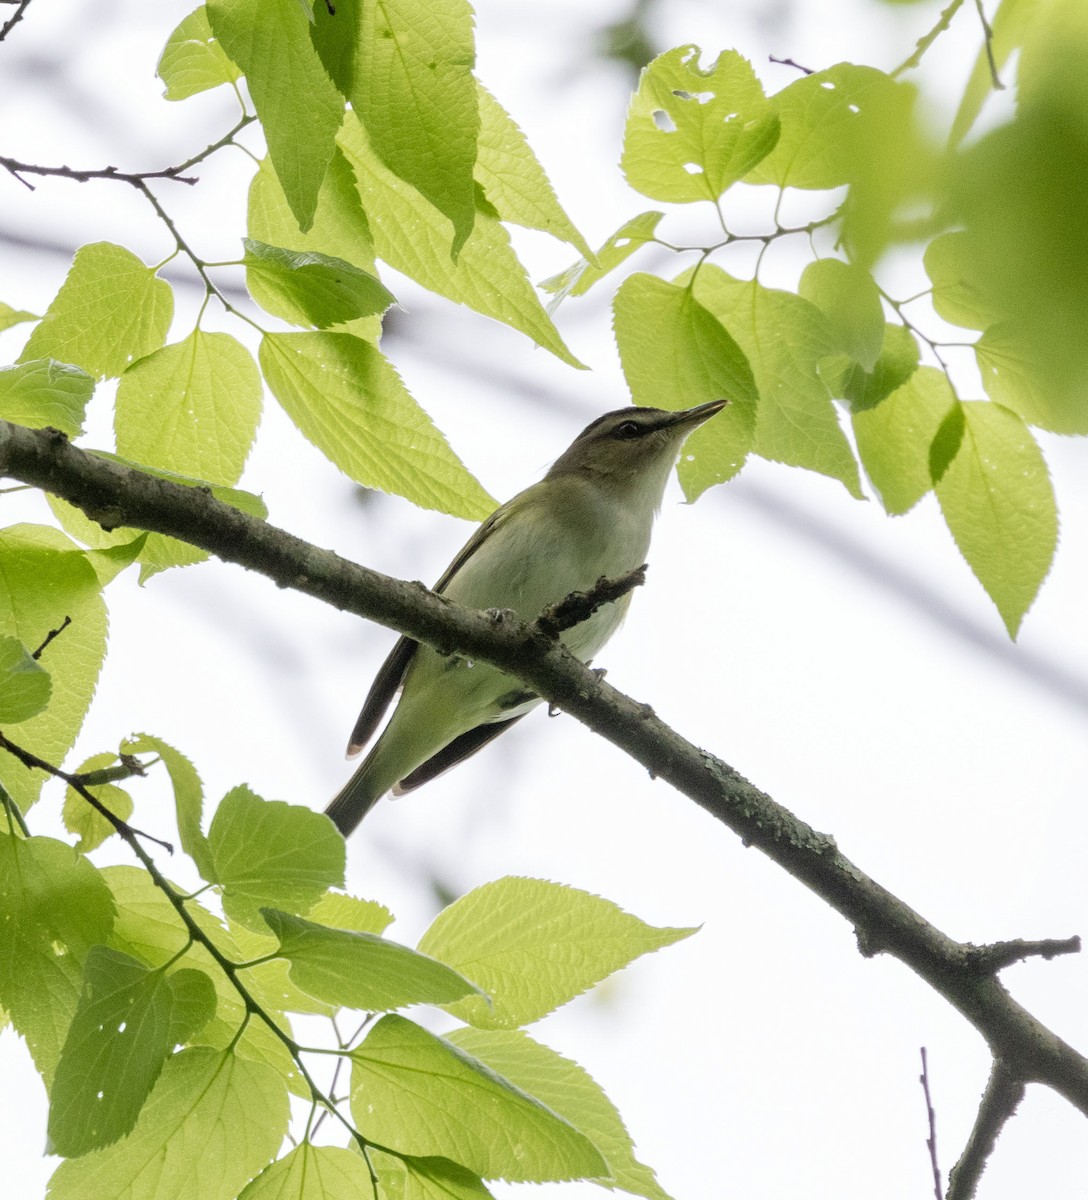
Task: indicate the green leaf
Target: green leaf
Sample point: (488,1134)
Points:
(691,134)
(997,500)
(213,1120)
(123,1030)
(415,92)
(825,120)
(894,437)
(14,316)
(577,279)
(25,686)
(418,1094)
(533,945)
(958,294)
(110,311)
(569,1090)
(299,108)
(785,338)
(676,354)
(110,562)
(361,970)
(348,912)
(43,579)
(863,389)
(188,796)
(54,906)
(514,181)
(414,238)
(1010,25)
(407,1178)
(848,297)
(192,408)
(311,1172)
(148,928)
(347,398)
(1016,374)
(313,289)
(271,852)
(82,818)
(45,393)
(192,60)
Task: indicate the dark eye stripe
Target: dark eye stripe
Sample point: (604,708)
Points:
(629,429)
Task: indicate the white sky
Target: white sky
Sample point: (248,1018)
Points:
(845,662)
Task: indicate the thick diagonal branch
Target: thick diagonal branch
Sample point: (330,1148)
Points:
(117,495)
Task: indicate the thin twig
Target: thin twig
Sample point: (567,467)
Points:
(988,960)
(14,20)
(927,40)
(196,934)
(988,41)
(1003,1093)
(931,1117)
(788,62)
(580,606)
(50,636)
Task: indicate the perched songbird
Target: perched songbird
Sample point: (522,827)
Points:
(590,516)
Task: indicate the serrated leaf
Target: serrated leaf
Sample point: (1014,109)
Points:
(823,120)
(349,912)
(14,316)
(299,108)
(361,970)
(311,1172)
(567,1089)
(847,295)
(82,818)
(532,946)
(188,796)
(212,1121)
(863,389)
(784,338)
(192,60)
(514,181)
(25,686)
(191,408)
(958,294)
(110,311)
(313,289)
(676,354)
(691,134)
(1009,25)
(123,1029)
(407,1178)
(414,238)
(1016,374)
(43,579)
(415,92)
(274,853)
(347,398)
(998,502)
(577,279)
(45,393)
(418,1094)
(894,437)
(54,906)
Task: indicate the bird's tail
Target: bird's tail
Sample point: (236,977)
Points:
(354,800)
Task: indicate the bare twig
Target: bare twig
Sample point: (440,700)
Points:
(884,924)
(988,41)
(1004,1091)
(988,960)
(788,62)
(15,18)
(50,636)
(580,606)
(931,1117)
(927,40)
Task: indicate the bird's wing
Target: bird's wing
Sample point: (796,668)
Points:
(391,674)
(456,752)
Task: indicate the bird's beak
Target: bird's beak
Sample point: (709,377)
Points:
(690,417)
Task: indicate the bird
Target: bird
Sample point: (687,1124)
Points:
(590,516)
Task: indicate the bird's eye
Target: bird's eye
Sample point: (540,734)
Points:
(628,429)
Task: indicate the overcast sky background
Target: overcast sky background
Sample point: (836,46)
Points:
(846,662)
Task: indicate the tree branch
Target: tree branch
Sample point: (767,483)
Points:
(117,495)
(1003,1094)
